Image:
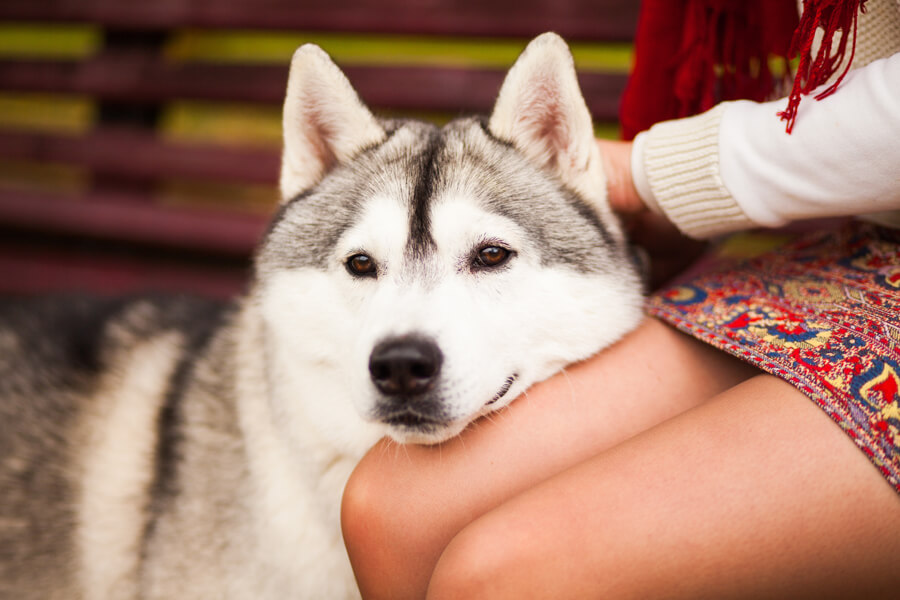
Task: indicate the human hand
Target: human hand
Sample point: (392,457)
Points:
(669,250)
(622,194)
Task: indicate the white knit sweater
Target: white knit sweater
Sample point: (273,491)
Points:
(734,167)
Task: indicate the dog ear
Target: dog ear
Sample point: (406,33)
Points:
(324,121)
(541,111)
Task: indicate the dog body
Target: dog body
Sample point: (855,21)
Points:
(414,279)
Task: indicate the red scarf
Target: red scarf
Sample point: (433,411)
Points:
(692,54)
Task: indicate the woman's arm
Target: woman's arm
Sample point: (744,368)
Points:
(734,167)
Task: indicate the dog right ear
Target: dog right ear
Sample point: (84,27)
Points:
(541,111)
(324,121)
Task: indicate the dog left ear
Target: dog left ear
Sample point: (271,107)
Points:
(540,110)
(325,122)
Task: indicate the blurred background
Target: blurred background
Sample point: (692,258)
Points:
(140,140)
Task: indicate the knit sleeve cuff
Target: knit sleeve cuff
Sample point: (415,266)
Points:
(681,163)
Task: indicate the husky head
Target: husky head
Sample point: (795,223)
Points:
(418,277)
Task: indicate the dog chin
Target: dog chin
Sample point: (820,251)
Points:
(406,428)
(425,435)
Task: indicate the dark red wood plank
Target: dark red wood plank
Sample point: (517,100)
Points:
(141,155)
(574,19)
(130,78)
(40,271)
(124,218)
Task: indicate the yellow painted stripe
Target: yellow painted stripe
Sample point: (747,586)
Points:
(222,123)
(33,40)
(45,112)
(46,177)
(36,40)
(394,50)
(239,124)
(245,198)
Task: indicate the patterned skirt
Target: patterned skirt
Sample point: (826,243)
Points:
(820,310)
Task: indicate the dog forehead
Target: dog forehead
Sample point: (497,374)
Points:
(447,174)
(419,168)
(561,226)
(460,221)
(307,228)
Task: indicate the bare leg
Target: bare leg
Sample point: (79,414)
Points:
(403,505)
(753,495)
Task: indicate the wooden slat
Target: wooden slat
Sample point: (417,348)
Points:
(38,270)
(574,19)
(123,218)
(131,78)
(125,78)
(141,155)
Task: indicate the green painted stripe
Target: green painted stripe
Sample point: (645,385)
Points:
(394,50)
(608,130)
(42,176)
(222,123)
(238,124)
(37,40)
(46,112)
(48,41)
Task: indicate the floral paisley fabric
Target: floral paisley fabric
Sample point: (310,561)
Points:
(821,311)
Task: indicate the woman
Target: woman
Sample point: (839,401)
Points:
(665,466)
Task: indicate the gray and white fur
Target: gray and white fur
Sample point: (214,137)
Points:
(414,279)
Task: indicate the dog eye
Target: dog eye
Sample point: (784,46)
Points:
(361,265)
(491,256)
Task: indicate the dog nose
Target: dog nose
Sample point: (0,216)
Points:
(405,366)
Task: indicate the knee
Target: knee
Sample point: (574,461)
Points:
(361,511)
(461,572)
(367,519)
(385,533)
(478,563)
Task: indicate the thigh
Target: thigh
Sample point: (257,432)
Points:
(404,504)
(756,494)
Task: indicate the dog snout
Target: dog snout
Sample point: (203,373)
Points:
(405,366)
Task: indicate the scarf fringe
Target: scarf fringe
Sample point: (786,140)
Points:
(813,71)
(692,54)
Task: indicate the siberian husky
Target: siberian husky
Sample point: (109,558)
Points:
(414,279)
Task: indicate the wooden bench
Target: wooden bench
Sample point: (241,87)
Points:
(144,210)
